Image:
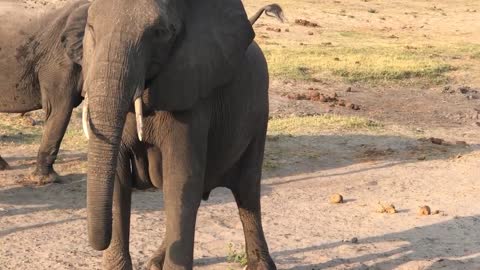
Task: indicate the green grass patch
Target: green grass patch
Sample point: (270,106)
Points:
(236,256)
(357,64)
(316,124)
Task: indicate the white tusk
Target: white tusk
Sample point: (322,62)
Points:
(139,117)
(85,125)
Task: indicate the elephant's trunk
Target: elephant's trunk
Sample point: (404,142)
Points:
(111,86)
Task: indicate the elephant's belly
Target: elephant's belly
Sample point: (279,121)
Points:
(17,98)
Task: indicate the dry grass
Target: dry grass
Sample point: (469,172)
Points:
(309,125)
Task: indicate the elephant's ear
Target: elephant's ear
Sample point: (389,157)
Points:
(72,35)
(213,44)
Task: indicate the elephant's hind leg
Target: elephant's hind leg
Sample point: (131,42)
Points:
(3,164)
(246,189)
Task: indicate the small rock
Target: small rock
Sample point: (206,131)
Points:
(354,240)
(436,141)
(349,89)
(336,198)
(424,211)
(462,143)
(353,106)
(287,30)
(422,158)
(389,208)
(310,33)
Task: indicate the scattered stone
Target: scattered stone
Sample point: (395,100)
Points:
(461,143)
(336,198)
(389,208)
(422,158)
(287,30)
(336,59)
(296,96)
(349,89)
(424,211)
(306,23)
(310,33)
(352,106)
(354,240)
(436,141)
(278,30)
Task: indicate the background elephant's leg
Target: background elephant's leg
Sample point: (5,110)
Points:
(117,256)
(55,126)
(246,190)
(3,164)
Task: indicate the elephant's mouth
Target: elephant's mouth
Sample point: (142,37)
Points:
(138,105)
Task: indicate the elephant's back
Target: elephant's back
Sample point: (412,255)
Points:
(17,24)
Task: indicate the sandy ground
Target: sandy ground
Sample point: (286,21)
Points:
(44,227)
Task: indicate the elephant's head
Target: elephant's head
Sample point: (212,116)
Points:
(193,46)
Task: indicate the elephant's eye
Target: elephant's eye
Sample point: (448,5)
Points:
(161,33)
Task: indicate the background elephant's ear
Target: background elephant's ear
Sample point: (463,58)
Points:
(72,35)
(213,43)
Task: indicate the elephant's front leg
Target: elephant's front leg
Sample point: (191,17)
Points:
(58,116)
(117,256)
(184,154)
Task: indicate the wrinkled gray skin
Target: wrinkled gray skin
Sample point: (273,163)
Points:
(205,116)
(36,72)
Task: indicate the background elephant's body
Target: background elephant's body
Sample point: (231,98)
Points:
(20,90)
(35,73)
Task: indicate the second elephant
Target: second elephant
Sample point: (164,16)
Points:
(37,73)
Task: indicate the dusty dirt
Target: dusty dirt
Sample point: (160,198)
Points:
(44,227)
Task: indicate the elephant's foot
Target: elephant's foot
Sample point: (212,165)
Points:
(43,179)
(157,260)
(114,260)
(3,165)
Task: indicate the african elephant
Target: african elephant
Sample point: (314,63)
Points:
(200,124)
(36,72)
